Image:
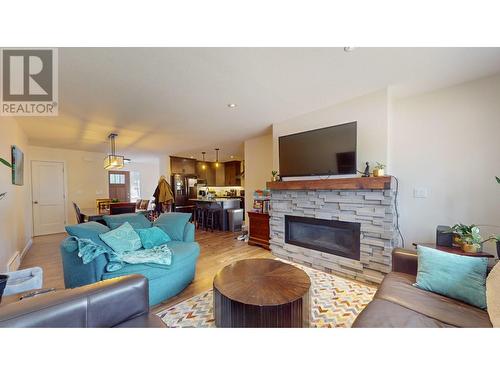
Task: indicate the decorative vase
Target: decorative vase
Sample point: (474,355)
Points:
(3,283)
(378,172)
(470,248)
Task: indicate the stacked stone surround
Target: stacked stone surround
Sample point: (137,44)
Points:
(373,209)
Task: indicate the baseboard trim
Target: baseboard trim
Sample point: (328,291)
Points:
(26,248)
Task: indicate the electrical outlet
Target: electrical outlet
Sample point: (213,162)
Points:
(420,192)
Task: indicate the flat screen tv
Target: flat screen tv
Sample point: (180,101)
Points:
(320,152)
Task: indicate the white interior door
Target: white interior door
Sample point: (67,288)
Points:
(47,179)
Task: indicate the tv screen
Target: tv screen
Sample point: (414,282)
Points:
(319,152)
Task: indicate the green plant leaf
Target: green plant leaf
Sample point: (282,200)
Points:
(498,179)
(6,163)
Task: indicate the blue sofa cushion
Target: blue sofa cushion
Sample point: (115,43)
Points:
(173,223)
(90,230)
(182,253)
(124,238)
(136,220)
(456,276)
(151,237)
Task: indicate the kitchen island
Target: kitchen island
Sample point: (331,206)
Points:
(223,204)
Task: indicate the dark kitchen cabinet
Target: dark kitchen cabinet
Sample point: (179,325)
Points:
(232,173)
(208,173)
(182,165)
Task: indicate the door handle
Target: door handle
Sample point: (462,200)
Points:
(35,202)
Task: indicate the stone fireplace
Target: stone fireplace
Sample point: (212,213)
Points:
(343,226)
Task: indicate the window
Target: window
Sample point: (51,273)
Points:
(117,178)
(135,186)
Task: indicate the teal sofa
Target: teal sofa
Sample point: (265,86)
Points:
(164,281)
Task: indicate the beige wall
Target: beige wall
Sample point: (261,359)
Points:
(445,141)
(15,208)
(371,113)
(448,142)
(258,166)
(86,179)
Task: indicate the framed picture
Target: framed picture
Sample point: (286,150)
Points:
(17,166)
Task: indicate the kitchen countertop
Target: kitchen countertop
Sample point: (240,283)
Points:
(218,199)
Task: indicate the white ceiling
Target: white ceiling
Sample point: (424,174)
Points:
(174,100)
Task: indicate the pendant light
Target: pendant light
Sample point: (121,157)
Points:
(113,161)
(216,158)
(203,166)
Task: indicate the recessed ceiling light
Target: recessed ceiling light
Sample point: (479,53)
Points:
(349,49)
(232,105)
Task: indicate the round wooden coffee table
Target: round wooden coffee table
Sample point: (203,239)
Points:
(261,293)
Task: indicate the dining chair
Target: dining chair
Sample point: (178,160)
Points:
(79,216)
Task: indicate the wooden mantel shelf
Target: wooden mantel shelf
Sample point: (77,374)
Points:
(354,183)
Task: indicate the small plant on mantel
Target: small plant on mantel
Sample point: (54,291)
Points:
(378,171)
(7,164)
(275,175)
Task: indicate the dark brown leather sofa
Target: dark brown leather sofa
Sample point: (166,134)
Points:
(120,302)
(398,304)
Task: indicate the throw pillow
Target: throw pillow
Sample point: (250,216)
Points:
(137,220)
(456,276)
(124,238)
(151,237)
(173,223)
(90,230)
(493,295)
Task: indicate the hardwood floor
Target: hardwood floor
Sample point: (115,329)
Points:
(218,249)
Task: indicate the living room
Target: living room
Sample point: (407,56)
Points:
(257,187)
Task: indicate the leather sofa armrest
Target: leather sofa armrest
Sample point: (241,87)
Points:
(405,261)
(104,304)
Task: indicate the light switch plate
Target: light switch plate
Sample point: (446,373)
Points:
(420,192)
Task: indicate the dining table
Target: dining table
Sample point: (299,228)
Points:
(94,213)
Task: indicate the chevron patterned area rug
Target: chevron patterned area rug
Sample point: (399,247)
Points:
(335,303)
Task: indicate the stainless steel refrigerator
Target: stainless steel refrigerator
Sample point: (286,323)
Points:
(184,188)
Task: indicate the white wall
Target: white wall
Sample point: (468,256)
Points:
(15,208)
(150,174)
(86,179)
(258,166)
(448,141)
(371,113)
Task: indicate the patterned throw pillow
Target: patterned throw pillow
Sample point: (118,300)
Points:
(124,238)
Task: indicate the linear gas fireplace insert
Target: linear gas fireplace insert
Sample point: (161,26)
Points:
(329,236)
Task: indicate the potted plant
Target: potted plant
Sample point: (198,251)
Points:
(6,163)
(378,171)
(471,240)
(276,177)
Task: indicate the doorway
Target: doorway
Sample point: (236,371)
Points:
(48,197)
(119,185)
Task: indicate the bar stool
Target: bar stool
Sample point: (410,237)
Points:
(214,219)
(200,214)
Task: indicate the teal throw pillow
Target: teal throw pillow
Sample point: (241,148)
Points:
(122,239)
(137,220)
(151,237)
(173,223)
(456,276)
